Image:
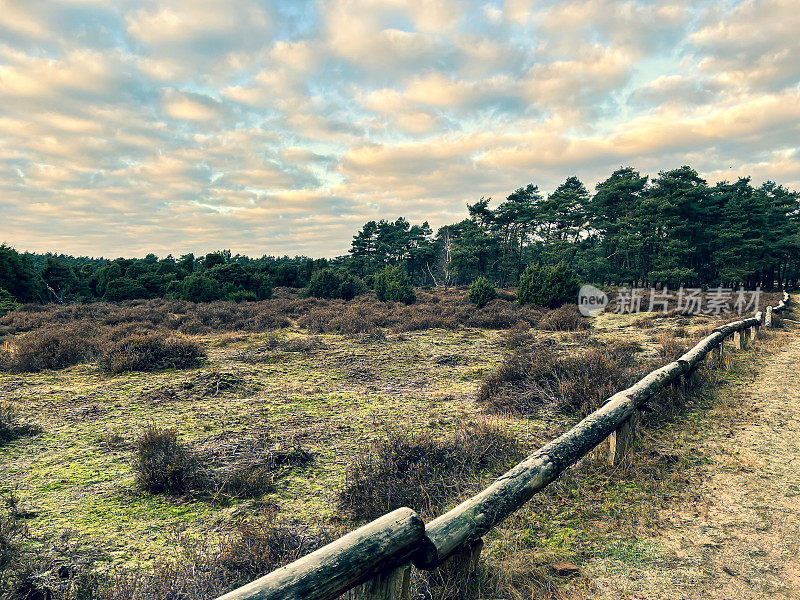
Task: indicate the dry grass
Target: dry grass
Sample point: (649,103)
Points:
(11,427)
(669,346)
(52,346)
(199,569)
(163,464)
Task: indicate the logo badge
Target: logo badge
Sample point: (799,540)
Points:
(591,300)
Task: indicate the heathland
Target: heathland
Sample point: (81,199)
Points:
(156,448)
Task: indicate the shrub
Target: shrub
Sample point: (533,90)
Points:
(501,314)
(265,289)
(549,286)
(328,284)
(481,292)
(325,283)
(149,352)
(203,570)
(669,348)
(242,296)
(7,302)
(255,477)
(249,480)
(534,377)
(422,471)
(163,464)
(351,287)
(124,289)
(564,318)
(52,347)
(393,284)
(345,319)
(200,288)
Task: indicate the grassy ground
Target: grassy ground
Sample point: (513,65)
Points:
(331,395)
(612,525)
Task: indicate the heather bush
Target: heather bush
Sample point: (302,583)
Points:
(421,470)
(149,353)
(52,347)
(501,314)
(163,464)
(535,378)
(564,318)
(204,570)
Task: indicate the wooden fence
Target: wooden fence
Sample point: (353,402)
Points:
(375,561)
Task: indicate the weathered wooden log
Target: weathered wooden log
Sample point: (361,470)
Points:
(768,317)
(695,355)
(729,328)
(471,519)
(376,549)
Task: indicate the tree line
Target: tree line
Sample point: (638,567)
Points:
(671,230)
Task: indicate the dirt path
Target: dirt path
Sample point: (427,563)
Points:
(742,540)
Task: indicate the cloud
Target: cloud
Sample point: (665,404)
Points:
(177,126)
(677,90)
(583,81)
(181,22)
(15,18)
(755,45)
(191,107)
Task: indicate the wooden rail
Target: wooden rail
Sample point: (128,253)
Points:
(373,561)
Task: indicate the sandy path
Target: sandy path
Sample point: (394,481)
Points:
(742,540)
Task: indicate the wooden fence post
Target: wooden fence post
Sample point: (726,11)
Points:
(718,355)
(620,442)
(768,317)
(456,574)
(391,585)
(738,342)
(686,379)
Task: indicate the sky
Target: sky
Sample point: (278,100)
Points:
(281,127)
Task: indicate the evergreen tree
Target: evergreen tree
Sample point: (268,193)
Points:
(17,275)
